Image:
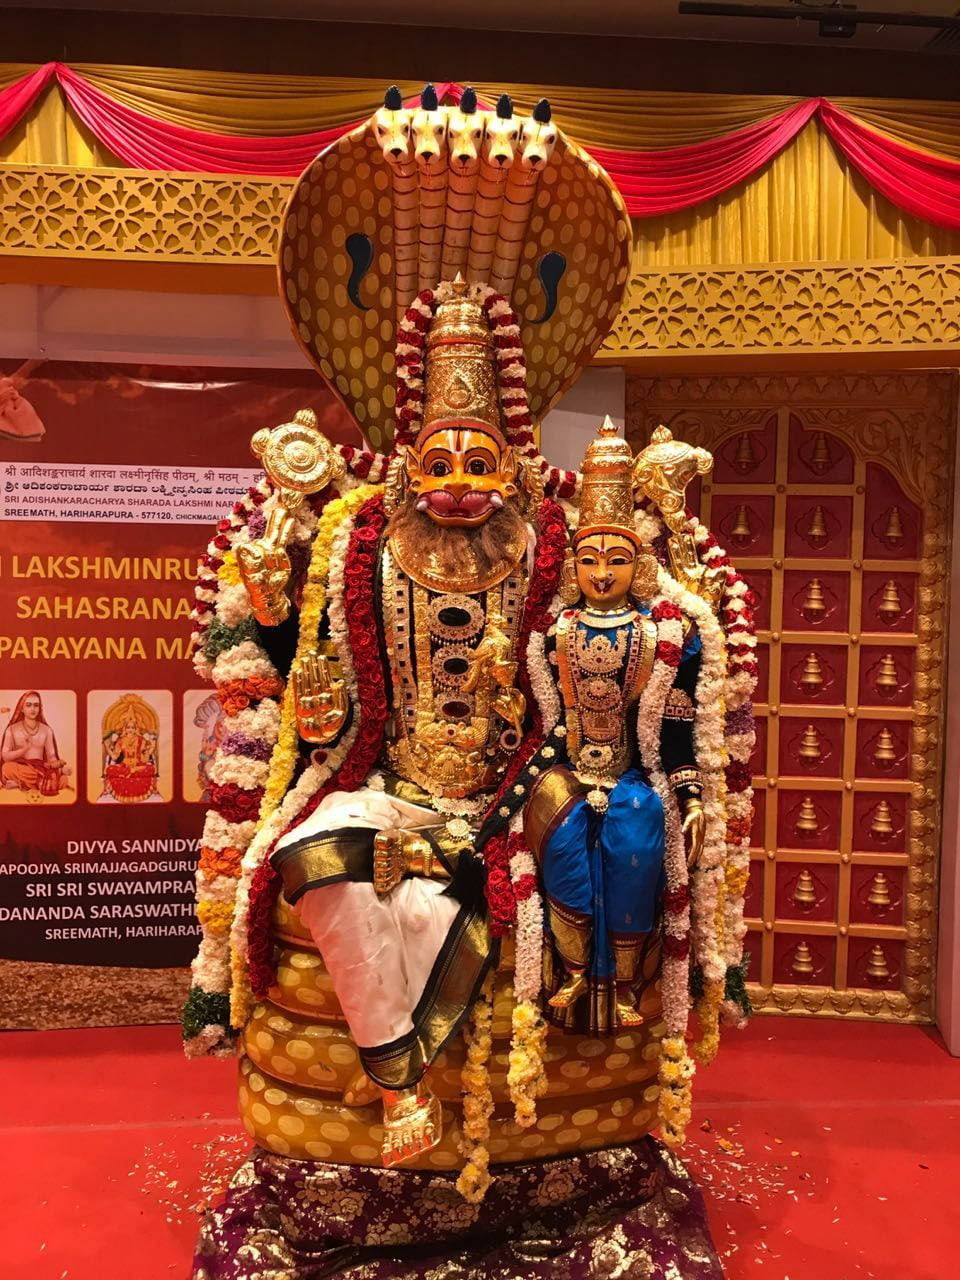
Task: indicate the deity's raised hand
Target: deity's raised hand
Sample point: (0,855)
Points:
(265,568)
(320,700)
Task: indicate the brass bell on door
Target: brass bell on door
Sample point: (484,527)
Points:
(884,751)
(802,964)
(814,605)
(811,677)
(744,459)
(882,824)
(890,607)
(817,534)
(886,682)
(894,530)
(741,531)
(806,823)
(877,968)
(809,750)
(804,891)
(820,458)
(879,895)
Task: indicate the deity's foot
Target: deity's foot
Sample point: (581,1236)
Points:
(572,990)
(360,1090)
(628,1015)
(412,1124)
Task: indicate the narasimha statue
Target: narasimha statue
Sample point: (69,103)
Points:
(480,810)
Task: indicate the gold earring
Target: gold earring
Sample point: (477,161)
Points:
(644,584)
(569,589)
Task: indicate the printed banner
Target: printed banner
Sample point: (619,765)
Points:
(112,478)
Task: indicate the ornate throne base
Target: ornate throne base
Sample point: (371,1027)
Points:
(300,1072)
(584,1192)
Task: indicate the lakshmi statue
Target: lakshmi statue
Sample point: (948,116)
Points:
(596,822)
(478,826)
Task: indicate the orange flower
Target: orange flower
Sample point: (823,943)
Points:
(236,695)
(219,862)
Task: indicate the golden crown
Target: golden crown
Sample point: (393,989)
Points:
(461,376)
(606,496)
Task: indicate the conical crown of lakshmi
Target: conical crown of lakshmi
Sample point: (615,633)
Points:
(606,498)
(425,190)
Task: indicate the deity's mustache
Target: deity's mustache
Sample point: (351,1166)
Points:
(451,548)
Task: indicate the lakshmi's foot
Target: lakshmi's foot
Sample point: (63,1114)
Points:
(572,990)
(412,1124)
(628,1015)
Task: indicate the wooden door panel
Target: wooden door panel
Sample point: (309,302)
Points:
(832,493)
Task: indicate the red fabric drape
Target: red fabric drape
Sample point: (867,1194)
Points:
(658,182)
(145,143)
(17,97)
(653,182)
(925,185)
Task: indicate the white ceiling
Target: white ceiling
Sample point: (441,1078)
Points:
(657,18)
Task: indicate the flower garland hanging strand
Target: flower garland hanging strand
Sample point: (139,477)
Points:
(475,1178)
(676,1067)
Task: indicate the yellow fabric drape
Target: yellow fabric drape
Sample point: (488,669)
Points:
(931,126)
(640,121)
(807,205)
(235,103)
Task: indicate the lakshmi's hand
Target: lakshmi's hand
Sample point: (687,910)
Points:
(265,568)
(320,700)
(694,826)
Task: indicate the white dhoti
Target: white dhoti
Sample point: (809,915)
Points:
(380,951)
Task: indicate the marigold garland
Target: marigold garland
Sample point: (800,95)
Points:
(475,1176)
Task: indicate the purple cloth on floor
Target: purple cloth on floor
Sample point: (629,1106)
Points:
(625,1213)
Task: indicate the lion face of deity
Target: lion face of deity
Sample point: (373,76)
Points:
(605,564)
(461,473)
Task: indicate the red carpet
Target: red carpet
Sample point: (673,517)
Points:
(828,1151)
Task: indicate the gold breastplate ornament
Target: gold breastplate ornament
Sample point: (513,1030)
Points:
(457,715)
(601,677)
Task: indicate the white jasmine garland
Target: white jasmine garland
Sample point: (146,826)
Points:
(242,770)
(528,963)
(233,604)
(244,661)
(674,979)
(218,833)
(541,680)
(261,721)
(711,754)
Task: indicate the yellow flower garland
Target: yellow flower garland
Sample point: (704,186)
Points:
(229,572)
(708,1010)
(283,759)
(475,1176)
(526,1078)
(673,1104)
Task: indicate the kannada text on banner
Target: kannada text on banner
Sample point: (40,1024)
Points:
(112,479)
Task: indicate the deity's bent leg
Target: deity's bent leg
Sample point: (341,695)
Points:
(359,938)
(632,848)
(569,899)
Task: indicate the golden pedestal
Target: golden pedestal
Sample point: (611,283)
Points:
(299,1062)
